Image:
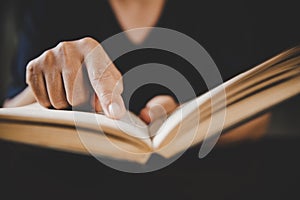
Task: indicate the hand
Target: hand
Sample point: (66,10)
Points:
(157,107)
(56,78)
(160,106)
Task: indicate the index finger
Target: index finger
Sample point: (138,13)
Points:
(106,81)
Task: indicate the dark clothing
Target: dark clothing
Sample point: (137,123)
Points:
(227,39)
(237,35)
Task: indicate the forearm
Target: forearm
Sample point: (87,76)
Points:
(24,98)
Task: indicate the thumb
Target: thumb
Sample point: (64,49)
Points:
(158,107)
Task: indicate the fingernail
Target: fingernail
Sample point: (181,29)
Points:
(115,110)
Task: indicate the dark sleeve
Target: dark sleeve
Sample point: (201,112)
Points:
(31,43)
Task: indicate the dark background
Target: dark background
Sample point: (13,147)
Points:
(265,169)
(11,13)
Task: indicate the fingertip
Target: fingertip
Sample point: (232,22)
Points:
(112,105)
(45,104)
(145,115)
(116,110)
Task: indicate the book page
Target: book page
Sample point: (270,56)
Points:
(247,94)
(235,113)
(128,128)
(67,139)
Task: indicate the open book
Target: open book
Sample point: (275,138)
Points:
(235,101)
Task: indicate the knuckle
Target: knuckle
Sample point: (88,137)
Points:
(30,68)
(68,56)
(48,57)
(62,45)
(90,47)
(31,72)
(89,40)
(63,48)
(118,75)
